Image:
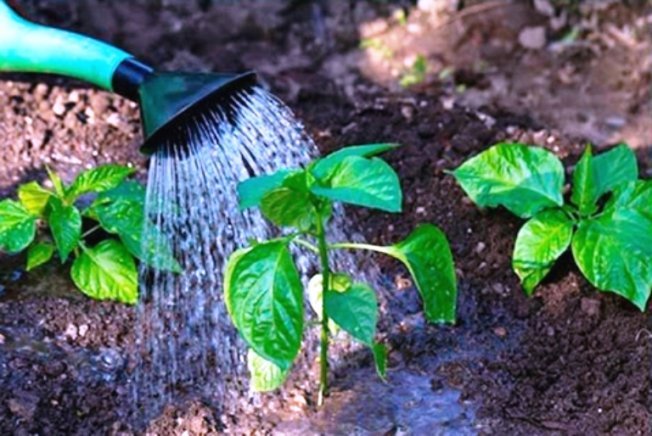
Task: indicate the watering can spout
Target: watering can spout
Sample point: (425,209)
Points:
(167,99)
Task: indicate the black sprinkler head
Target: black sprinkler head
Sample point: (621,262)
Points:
(170,100)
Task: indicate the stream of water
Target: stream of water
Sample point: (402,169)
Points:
(186,342)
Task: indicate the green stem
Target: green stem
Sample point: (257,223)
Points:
(307,244)
(359,246)
(91,230)
(325,273)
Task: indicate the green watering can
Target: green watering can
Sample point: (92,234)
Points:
(167,100)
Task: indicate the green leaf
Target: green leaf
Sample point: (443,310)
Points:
(323,167)
(98,179)
(380,359)
(106,272)
(523,179)
(595,176)
(585,192)
(287,206)
(17,226)
(363,182)
(34,197)
(265,300)
(427,255)
(252,191)
(355,311)
(59,188)
(265,375)
(614,249)
(121,211)
(613,168)
(539,243)
(66,225)
(38,254)
(339,283)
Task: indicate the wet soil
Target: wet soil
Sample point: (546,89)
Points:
(569,360)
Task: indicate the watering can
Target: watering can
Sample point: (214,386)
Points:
(167,100)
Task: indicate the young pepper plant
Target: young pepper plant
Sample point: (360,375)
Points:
(263,290)
(105,271)
(611,240)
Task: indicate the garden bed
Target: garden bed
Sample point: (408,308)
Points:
(569,360)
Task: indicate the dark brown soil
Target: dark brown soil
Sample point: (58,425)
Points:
(570,360)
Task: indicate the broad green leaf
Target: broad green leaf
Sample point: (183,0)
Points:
(427,255)
(59,187)
(34,197)
(614,249)
(585,188)
(38,254)
(355,311)
(66,225)
(290,204)
(121,211)
(265,300)
(129,191)
(380,359)
(324,166)
(539,243)
(595,176)
(339,283)
(265,375)
(363,182)
(106,272)
(613,168)
(98,179)
(17,226)
(252,191)
(523,179)
(315,291)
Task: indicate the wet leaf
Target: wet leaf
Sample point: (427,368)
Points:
(66,225)
(17,226)
(265,375)
(38,254)
(290,204)
(380,359)
(98,179)
(427,255)
(106,272)
(323,167)
(363,182)
(265,300)
(614,249)
(523,179)
(613,168)
(595,176)
(252,190)
(585,193)
(355,311)
(315,292)
(539,244)
(34,197)
(121,211)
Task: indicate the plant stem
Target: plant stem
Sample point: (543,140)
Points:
(307,244)
(91,230)
(359,246)
(325,274)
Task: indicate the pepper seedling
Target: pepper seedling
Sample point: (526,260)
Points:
(48,222)
(263,289)
(607,223)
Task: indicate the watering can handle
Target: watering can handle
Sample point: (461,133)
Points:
(32,48)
